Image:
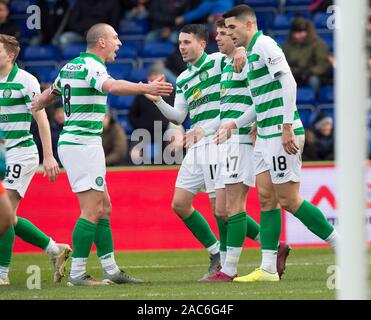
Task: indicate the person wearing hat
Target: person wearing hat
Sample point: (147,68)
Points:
(323,129)
(307,54)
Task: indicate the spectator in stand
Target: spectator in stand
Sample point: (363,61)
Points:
(86,13)
(307,54)
(52,15)
(210,9)
(319,6)
(142,114)
(136,9)
(7,27)
(321,140)
(115,141)
(162,14)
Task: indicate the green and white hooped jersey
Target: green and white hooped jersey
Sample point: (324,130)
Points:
(16,91)
(235,100)
(198,89)
(80,83)
(265,60)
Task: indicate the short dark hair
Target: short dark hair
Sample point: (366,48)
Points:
(241,11)
(220,23)
(199,30)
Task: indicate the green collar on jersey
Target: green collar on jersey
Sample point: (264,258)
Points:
(91,55)
(199,62)
(12,73)
(253,40)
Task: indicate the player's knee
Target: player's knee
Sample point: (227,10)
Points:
(181,209)
(221,212)
(289,204)
(267,200)
(107,210)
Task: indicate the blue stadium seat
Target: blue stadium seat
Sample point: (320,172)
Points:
(160,49)
(280,39)
(297,2)
(20,6)
(138,74)
(72,51)
(41,53)
(124,122)
(320,20)
(128,51)
(307,114)
(281,22)
(326,95)
(120,70)
(43,73)
(133,27)
(120,102)
(262,3)
(328,109)
(329,39)
(265,19)
(305,95)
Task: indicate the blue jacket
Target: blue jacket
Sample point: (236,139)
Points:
(206,8)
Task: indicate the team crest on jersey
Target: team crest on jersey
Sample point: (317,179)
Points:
(230,75)
(196,93)
(204,76)
(7,93)
(222,90)
(99,181)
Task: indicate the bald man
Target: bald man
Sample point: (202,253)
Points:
(84,84)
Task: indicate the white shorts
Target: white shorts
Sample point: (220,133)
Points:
(21,169)
(269,155)
(85,166)
(237,165)
(198,170)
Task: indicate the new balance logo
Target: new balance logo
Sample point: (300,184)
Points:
(280,175)
(233,175)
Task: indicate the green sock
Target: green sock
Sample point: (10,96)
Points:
(6,247)
(222,226)
(270,229)
(103,238)
(253,228)
(28,232)
(314,220)
(236,233)
(200,229)
(82,238)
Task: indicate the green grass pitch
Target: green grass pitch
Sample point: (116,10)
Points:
(174,274)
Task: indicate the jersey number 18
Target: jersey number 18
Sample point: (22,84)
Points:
(66,99)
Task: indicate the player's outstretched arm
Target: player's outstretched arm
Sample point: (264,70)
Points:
(43,100)
(50,165)
(127,88)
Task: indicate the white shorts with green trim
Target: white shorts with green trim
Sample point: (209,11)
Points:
(198,170)
(85,166)
(237,164)
(269,155)
(21,167)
